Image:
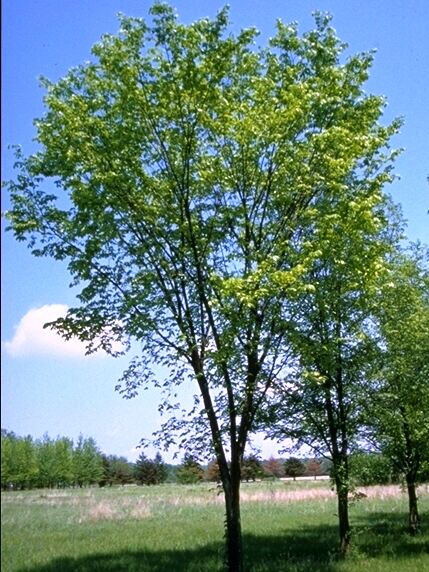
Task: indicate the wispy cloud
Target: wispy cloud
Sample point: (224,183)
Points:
(30,339)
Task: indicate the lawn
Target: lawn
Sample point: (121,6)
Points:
(287,527)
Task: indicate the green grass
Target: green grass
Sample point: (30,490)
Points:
(287,527)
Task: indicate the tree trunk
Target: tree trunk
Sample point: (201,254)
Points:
(343,516)
(414,519)
(234,542)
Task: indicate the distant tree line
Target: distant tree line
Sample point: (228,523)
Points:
(49,463)
(28,463)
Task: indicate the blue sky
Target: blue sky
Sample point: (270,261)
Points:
(47,384)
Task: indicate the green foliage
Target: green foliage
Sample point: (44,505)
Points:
(49,463)
(251,468)
(398,398)
(192,164)
(150,471)
(294,467)
(190,471)
(368,469)
(117,471)
(19,466)
(55,462)
(87,462)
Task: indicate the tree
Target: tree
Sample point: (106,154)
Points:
(192,163)
(150,472)
(162,471)
(48,476)
(314,468)
(212,473)
(274,468)
(251,468)
(190,471)
(320,402)
(6,450)
(398,397)
(87,462)
(294,468)
(117,471)
(18,461)
(64,461)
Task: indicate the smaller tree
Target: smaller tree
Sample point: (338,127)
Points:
(274,468)
(119,471)
(64,461)
(251,468)
(294,468)
(397,400)
(314,468)
(150,471)
(88,467)
(18,461)
(47,463)
(161,469)
(212,473)
(190,471)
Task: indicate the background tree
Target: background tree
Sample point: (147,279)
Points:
(162,471)
(48,476)
(398,398)
(192,162)
(117,471)
(64,461)
(274,468)
(212,473)
(87,462)
(6,450)
(313,468)
(320,403)
(294,467)
(150,471)
(190,471)
(18,461)
(251,468)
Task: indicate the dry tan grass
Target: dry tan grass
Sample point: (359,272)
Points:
(115,509)
(140,511)
(96,505)
(102,511)
(390,491)
(281,497)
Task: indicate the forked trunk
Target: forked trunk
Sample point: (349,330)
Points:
(414,519)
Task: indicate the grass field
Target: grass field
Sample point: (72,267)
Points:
(287,527)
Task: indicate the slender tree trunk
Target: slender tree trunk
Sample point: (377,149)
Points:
(234,542)
(414,519)
(230,476)
(343,516)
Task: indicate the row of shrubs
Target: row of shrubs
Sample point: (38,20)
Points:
(54,463)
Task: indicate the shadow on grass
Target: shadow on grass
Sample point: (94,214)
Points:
(386,533)
(304,550)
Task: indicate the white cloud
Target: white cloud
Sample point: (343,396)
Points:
(30,339)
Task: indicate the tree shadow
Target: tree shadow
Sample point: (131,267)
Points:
(305,549)
(386,533)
